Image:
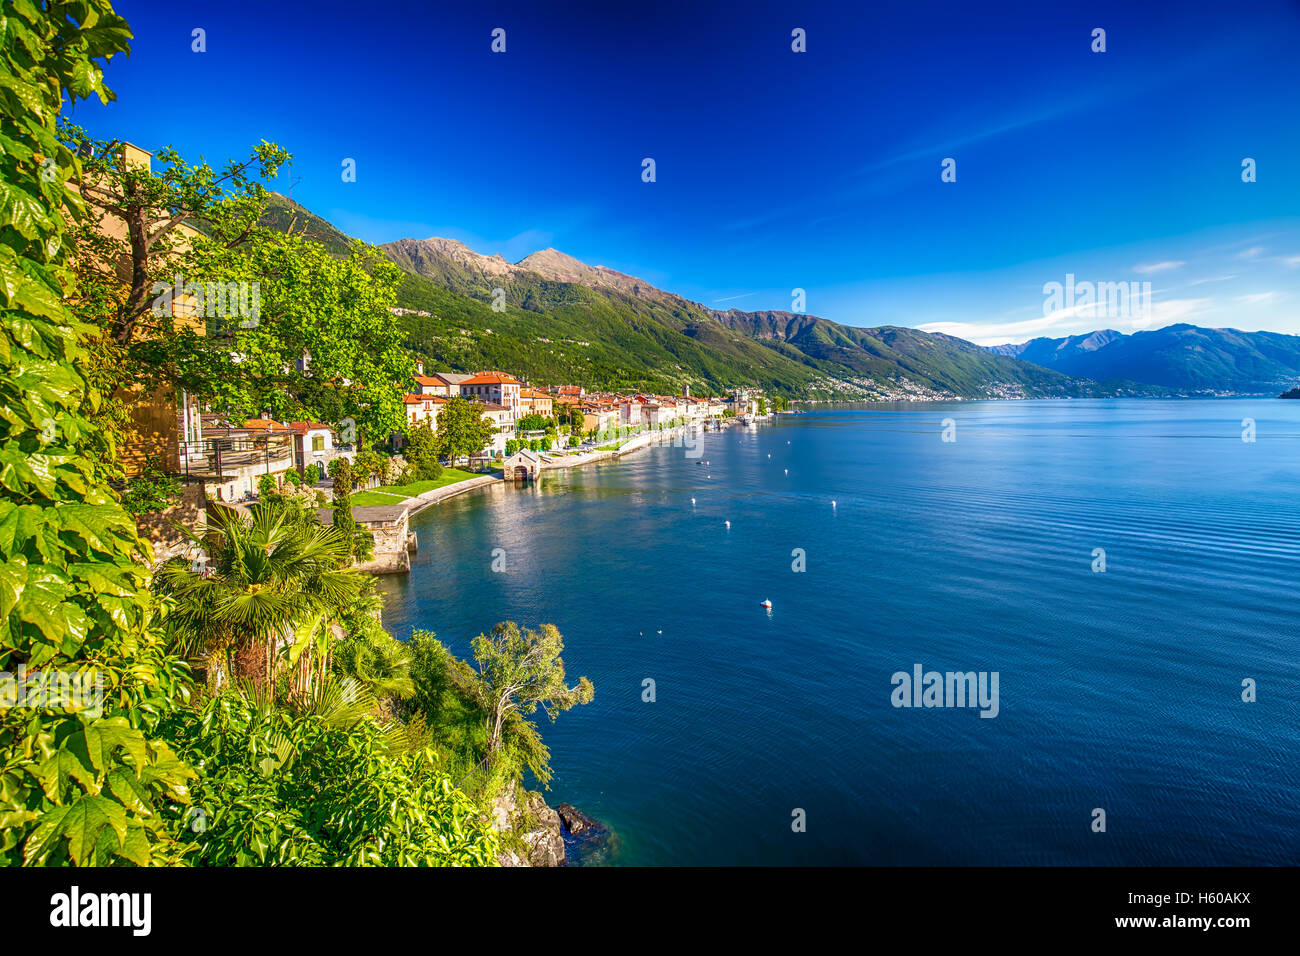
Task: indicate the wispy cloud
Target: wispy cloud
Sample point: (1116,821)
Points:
(728,298)
(1075,320)
(1257,298)
(1254,252)
(1213,279)
(1150,268)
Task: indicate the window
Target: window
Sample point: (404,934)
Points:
(318,443)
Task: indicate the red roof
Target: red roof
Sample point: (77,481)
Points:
(491,378)
(265,424)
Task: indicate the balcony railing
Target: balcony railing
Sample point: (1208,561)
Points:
(212,459)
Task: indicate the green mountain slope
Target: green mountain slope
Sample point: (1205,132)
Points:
(639,335)
(560,320)
(284,214)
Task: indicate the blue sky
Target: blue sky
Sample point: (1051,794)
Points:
(777,170)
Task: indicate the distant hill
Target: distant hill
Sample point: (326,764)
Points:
(1051,351)
(284,214)
(1182,357)
(636,333)
(567,321)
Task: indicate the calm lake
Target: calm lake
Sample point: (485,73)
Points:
(1118,690)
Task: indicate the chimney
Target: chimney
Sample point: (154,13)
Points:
(419,367)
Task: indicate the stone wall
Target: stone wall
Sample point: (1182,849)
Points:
(392,540)
(163,530)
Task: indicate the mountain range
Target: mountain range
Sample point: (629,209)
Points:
(559,320)
(1184,358)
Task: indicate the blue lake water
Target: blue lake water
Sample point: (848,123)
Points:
(1120,690)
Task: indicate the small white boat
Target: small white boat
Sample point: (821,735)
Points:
(766,604)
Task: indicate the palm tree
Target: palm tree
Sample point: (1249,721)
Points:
(270,579)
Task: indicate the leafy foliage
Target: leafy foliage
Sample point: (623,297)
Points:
(521,671)
(320,342)
(76,785)
(322,783)
(421,451)
(152,491)
(463,430)
(269,578)
(361,544)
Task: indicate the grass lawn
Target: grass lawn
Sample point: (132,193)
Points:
(396,494)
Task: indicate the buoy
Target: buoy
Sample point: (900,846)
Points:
(766,604)
(787,471)
(728,524)
(692,502)
(832,502)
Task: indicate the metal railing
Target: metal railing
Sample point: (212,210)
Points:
(215,458)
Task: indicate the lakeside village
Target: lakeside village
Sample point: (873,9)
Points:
(169,530)
(526,429)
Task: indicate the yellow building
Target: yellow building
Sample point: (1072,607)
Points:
(165,422)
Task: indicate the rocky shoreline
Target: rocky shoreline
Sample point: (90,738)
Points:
(537,834)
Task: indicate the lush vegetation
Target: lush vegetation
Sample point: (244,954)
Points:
(312,737)
(321,783)
(78,783)
(262,321)
(604,338)
(463,430)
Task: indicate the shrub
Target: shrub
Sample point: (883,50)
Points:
(422,449)
(152,491)
(394,470)
(322,784)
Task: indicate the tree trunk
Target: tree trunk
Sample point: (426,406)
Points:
(250,661)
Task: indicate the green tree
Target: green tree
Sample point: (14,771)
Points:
(319,343)
(534,422)
(152,491)
(269,579)
(521,671)
(79,783)
(421,452)
(360,543)
(463,430)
